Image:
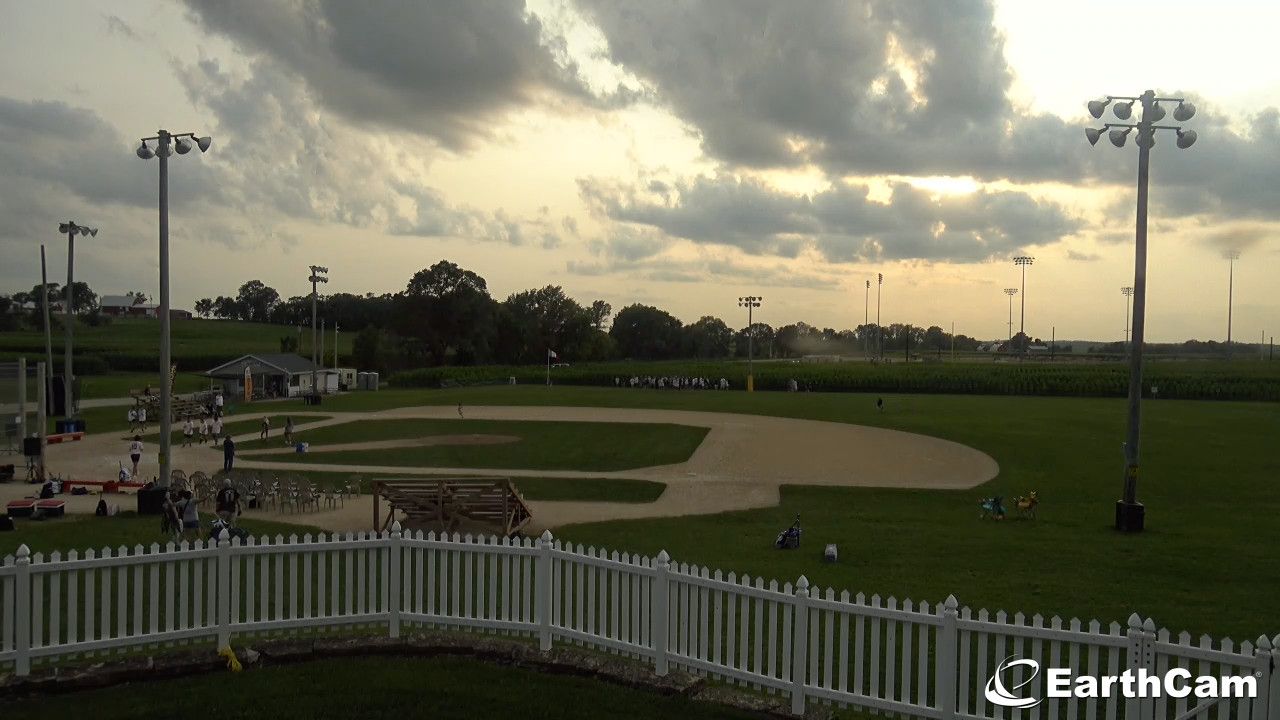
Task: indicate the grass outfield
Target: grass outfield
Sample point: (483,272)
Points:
(373,688)
(1206,563)
(542,446)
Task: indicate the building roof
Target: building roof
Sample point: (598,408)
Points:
(123,301)
(287,363)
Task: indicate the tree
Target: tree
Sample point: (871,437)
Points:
(255,300)
(643,332)
(709,337)
(600,312)
(761,340)
(547,319)
(448,308)
(204,307)
(86,300)
(138,296)
(226,307)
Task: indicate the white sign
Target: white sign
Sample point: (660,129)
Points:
(1061,683)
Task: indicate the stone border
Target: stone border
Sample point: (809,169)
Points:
(560,660)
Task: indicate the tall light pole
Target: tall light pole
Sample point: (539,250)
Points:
(866,320)
(1232,256)
(1011,292)
(1130,514)
(69,303)
(879,332)
(1127,291)
(166,143)
(317,276)
(1023,261)
(47,383)
(750,302)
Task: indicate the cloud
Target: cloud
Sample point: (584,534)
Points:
(1083,256)
(841,224)
(444,70)
(117,26)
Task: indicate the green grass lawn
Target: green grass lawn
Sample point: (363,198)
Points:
(392,688)
(1209,480)
(187,337)
(542,445)
(118,385)
(128,529)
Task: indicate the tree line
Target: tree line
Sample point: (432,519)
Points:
(446,316)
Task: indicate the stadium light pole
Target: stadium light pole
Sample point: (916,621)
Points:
(879,331)
(317,276)
(1130,514)
(1023,261)
(866,320)
(1232,256)
(1011,292)
(69,302)
(1127,291)
(750,302)
(166,143)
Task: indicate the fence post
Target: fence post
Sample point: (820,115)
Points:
(224,589)
(1273,687)
(944,671)
(542,586)
(660,596)
(22,613)
(1262,670)
(1132,706)
(395,578)
(800,646)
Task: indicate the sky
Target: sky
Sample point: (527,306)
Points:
(678,154)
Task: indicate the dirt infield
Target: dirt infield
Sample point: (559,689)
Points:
(740,464)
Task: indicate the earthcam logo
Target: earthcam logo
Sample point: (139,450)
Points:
(1060,683)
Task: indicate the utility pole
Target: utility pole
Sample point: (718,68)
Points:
(1127,291)
(879,332)
(69,304)
(866,320)
(750,302)
(46,374)
(1232,256)
(317,276)
(953,341)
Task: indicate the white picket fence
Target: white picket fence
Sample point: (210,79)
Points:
(912,660)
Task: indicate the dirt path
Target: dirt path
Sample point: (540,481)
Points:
(740,465)
(472,439)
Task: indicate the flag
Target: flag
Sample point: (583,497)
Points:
(552,354)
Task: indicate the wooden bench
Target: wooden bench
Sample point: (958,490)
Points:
(444,504)
(24,508)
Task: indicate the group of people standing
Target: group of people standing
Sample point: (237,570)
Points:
(675,382)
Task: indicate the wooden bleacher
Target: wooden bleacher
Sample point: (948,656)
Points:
(448,504)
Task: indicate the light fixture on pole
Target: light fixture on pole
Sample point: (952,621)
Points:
(750,302)
(1023,261)
(1130,514)
(165,143)
(317,276)
(1127,291)
(1011,292)
(69,306)
(1232,256)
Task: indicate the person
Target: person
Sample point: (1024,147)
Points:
(142,418)
(135,453)
(205,427)
(880,404)
(133,419)
(171,518)
(190,515)
(266,428)
(188,429)
(227,502)
(228,453)
(460,411)
(217,428)
(288,430)
(217,405)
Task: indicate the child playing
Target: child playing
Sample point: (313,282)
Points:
(188,429)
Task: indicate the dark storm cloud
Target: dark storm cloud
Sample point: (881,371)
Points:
(841,224)
(439,69)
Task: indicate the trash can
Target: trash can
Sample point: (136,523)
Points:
(63,426)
